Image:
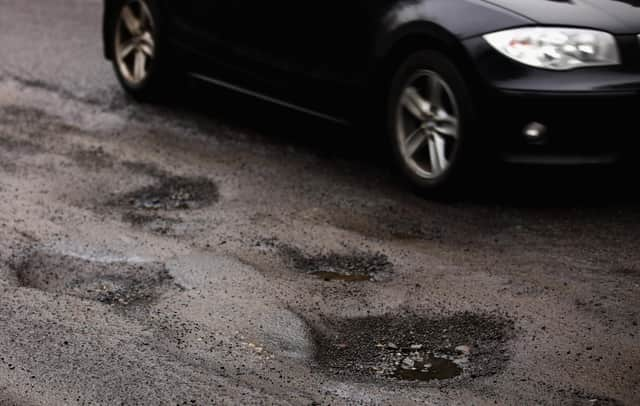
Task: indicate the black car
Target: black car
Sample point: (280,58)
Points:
(450,82)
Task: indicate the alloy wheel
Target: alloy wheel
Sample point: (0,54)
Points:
(135,43)
(427,125)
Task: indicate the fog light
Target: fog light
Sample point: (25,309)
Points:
(535,132)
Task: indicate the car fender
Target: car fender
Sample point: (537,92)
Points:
(463,19)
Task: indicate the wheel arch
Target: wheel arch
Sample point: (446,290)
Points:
(392,54)
(417,36)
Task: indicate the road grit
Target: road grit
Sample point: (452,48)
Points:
(142,263)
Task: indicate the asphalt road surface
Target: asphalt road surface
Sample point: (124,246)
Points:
(216,250)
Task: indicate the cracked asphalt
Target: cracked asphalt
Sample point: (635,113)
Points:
(216,250)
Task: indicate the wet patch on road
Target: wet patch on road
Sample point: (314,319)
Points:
(150,222)
(581,398)
(627,272)
(354,267)
(117,282)
(32,122)
(390,226)
(172,193)
(14,123)
(19,146)
(415,222)
(414,348)
(39,84)
(146,169)
(94,159)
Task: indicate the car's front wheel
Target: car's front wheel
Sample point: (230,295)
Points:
(139,54)
(429,113)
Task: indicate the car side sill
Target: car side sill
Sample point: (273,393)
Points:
(561,160)
(269,99)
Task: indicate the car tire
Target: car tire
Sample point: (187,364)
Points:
(141,58)
(429,115)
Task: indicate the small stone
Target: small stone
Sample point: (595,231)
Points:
(416,347)
(463,349)
(408,363)
(392,346)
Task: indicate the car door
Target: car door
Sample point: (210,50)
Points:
(315,47)
(197,25)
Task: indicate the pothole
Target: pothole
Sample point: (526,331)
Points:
(116,282)
(172,193)
(355,267)
(414,348)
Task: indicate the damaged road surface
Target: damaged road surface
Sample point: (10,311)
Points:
(180,254)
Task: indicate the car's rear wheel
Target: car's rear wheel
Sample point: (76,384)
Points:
(429,113)
(139,54)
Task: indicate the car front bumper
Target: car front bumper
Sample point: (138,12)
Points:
(582,116)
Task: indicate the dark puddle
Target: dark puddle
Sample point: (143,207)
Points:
(430,368)
(115,283)
(356,267)
(414,348)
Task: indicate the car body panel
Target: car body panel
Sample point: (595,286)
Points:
(338,45)
(615,16)
(503,74)
(331,56)
(335,40)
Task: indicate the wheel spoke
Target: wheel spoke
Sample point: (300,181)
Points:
(447,125)
(441,146)
(437,155)
(130,21)
(145,15)
(416,141)
(126,49)
(139,69)
(147,38)
(134,41)
(435,92)
(427,145)
(414,103)
(147,50)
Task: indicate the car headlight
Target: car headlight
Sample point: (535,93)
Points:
(556,48)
